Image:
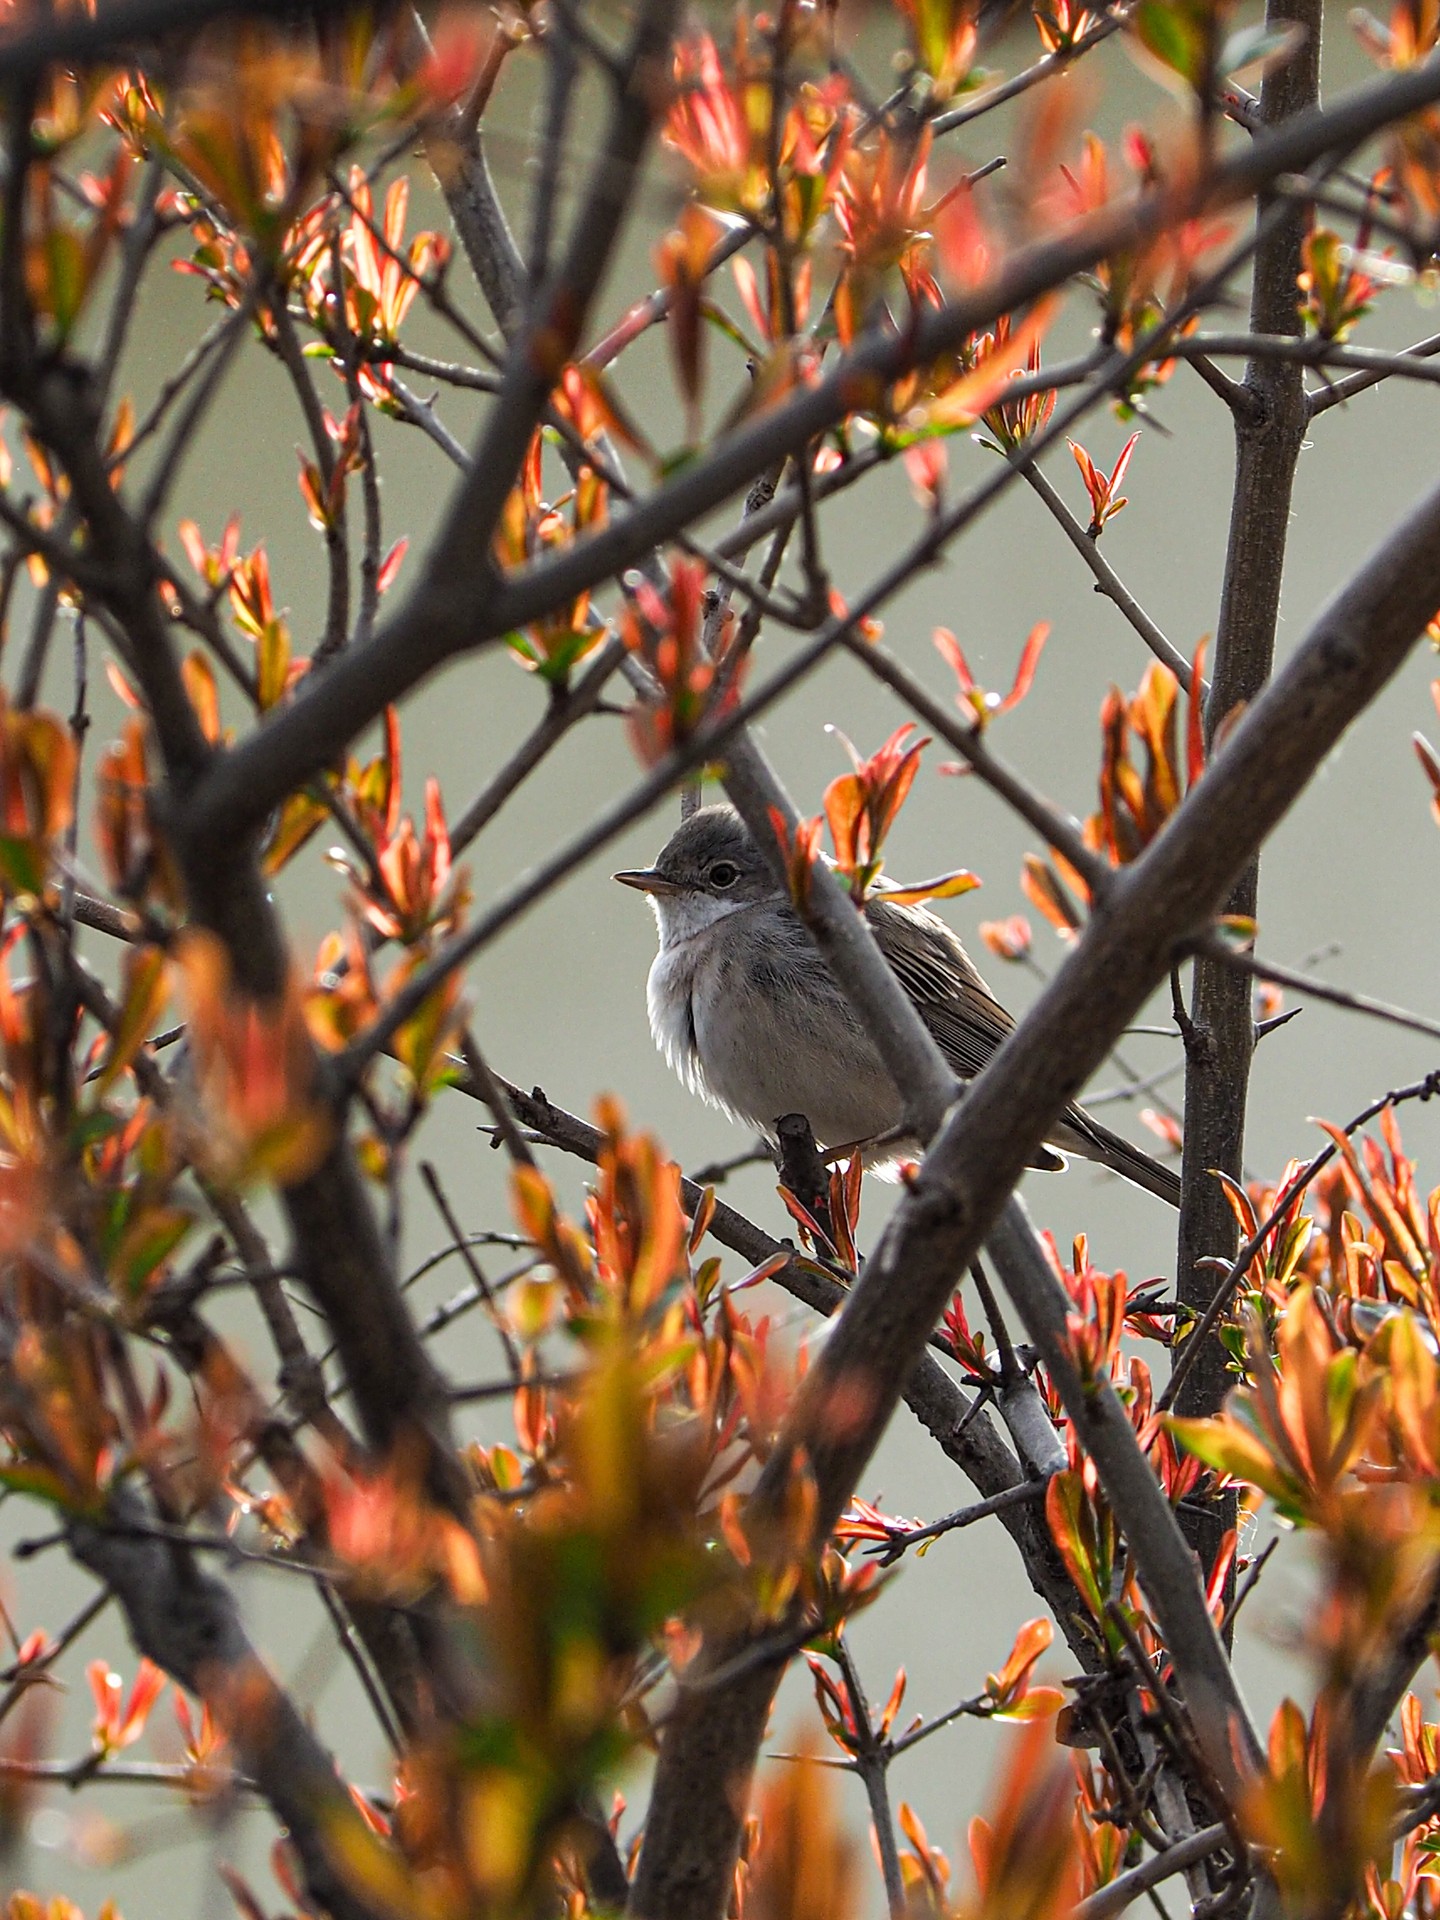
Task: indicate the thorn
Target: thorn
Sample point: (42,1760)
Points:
(1274,1023)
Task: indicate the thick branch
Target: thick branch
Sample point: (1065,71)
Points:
(1269,431)
(1167,1567)
(78,37)
(455,148)
(187,1622)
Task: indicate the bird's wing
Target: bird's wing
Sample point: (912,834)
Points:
(967,1021)
(968,1025)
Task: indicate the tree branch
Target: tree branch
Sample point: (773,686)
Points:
(80,38)
(1167,1567)
(1107,581)
(187,1622)
(1125,1887)
(1269,432)
(454,147)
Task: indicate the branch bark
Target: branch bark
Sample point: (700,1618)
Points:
(188,1623)
(80,38)
(455,150)
(1269,431)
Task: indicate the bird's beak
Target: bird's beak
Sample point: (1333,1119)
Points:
(646,880)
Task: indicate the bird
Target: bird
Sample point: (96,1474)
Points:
(745,1009)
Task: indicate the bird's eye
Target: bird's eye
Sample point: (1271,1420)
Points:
(724,873)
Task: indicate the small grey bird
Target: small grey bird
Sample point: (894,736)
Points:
(749,1015)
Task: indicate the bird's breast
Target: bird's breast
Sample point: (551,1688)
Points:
(669,999)
(760,1028)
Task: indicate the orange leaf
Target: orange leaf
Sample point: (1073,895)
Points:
(947,886)
(975,392)
(1047,896)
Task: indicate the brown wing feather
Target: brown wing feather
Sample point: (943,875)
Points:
(968,1023)
(966,1019)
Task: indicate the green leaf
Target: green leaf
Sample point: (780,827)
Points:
(722,322)
(89,1128)
(1226,1446)
(40,1483)
(65,289)
(149,1242)
(1072,1527)
(21,868)
(1038,1704)
(145,996)
(1160,29)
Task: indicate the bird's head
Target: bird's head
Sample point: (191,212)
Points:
(708,868)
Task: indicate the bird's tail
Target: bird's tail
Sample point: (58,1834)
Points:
(1080,1133)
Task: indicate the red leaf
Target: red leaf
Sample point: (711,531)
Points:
(1195,721)
(1025,672)
(390,566)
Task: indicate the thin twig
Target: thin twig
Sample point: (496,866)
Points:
(1339,391)
(560,715)
(1108,582)
(872,1763)
(337,542)
(904,1538)
(1032,76)
(461,1243)
(1221,951)
(1125,1887)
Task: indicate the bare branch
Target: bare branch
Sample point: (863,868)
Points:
(1342,390)
(1269,434)
(1167,1566)
(337,545)
(1031,76)
(82,38)
(1223,954)
(1125,1887)
(455,149)
(1107,581)
(906,1537)
(872,1761)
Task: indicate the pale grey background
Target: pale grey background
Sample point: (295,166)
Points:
(559,1000)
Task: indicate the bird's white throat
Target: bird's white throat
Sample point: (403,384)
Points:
(681,916)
